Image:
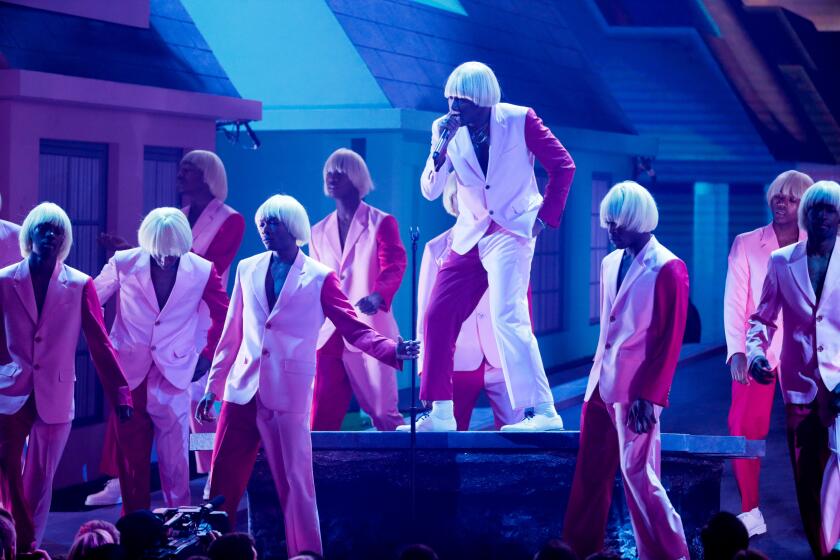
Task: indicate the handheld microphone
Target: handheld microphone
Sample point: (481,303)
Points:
(444,136)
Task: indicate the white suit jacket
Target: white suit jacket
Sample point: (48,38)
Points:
(39,351)
(639,345)
(748,260)
(358,266)
(509,193)
(143,333)
(271,352)
(811,338)
(476,340)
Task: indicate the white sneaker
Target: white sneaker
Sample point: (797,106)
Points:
(754,522)
(536,423)
(111,495)
(429,422)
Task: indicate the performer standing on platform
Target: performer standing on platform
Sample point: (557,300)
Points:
(362,244)
(749,414)
(803,282)
(476,361)
(265,367)
(644,300)
(9,242)
(161,286)
(490,148)
(44,305)
(217,231)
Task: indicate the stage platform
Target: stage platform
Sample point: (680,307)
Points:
(478,494)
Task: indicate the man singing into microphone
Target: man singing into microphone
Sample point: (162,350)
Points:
(490,147)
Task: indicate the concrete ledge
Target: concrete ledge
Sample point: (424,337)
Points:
(672,444)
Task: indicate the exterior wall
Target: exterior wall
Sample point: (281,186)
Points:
(22,125)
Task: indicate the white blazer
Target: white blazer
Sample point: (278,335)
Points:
(811,337)
(476,340)
(622,369)
(144,334)
(508,194)
(748,261)
(270,350)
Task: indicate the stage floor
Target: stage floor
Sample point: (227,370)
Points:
(700,403)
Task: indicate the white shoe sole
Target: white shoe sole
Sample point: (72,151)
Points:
(758,530)
(91,501)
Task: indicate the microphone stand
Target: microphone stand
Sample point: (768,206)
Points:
(414,233)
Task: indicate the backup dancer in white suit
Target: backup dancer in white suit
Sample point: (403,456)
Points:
(161,286)
(803,283)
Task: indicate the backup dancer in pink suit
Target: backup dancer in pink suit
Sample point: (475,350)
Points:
(490,149)
(749,415)
(476,361)
(264,368)
(161,286)
(644,299)
(362,244)
(217,231)
(44,305)
(803,283)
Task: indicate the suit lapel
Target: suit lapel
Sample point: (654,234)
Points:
(357,226)
(55,291)
(182,278)
(798,267)
(610,279)
(331,241)
(639,264)
(832,275)
(258,280)
(142,271)
(25,290)
(464,148)
(498,134)
(292,283)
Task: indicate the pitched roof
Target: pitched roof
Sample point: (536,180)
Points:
(411,48)
(171,53)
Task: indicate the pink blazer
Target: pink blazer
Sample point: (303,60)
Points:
(9,244)
(271,352)
(508,195)
(217,235)
(142,333)
(811,338)
(476,340)
(642,326)
(40,351)
(373,260)
(748,260)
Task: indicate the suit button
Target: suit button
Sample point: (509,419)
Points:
(491,212)
(607,346)
(820,348)
(157,323)
(38,339)
(268,325)
(265,352)
(819,318)
(153,347)
(612,319)
(486,186)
